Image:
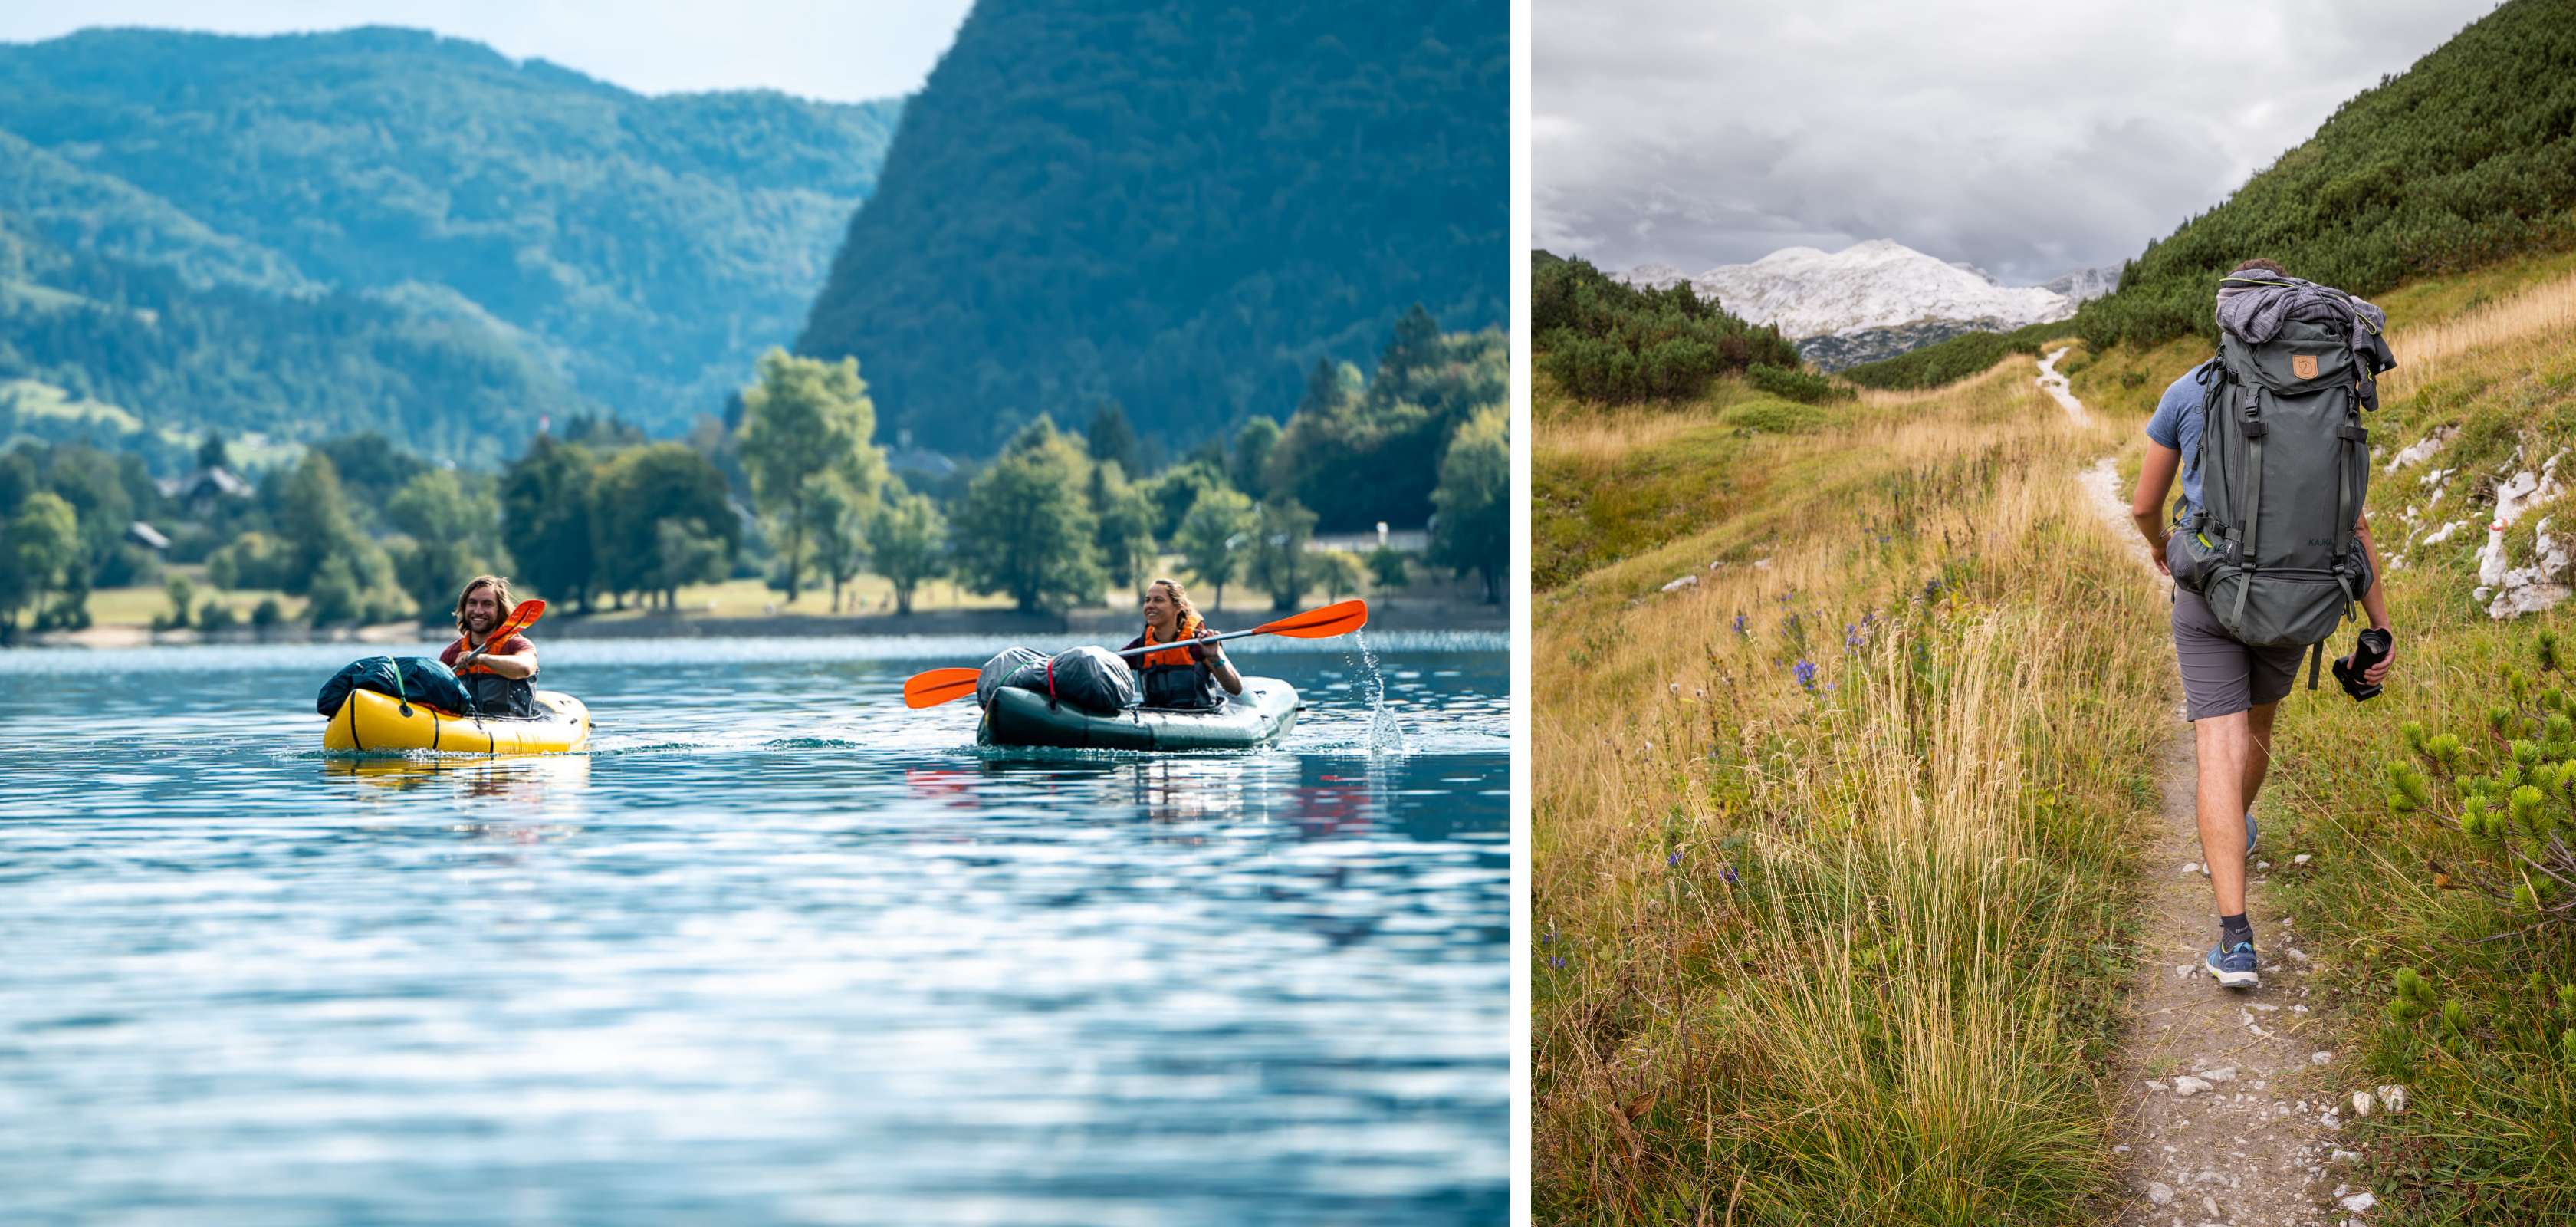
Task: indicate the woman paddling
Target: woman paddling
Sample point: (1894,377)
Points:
(1187,676)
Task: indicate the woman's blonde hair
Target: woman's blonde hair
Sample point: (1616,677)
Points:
(1189,612)
(500,595)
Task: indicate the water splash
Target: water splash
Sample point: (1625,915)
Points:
(1385,735)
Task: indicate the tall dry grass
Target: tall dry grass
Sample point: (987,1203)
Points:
(2499,335)
(1841,945)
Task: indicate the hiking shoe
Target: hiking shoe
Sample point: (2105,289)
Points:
(2250,832)
(2232,968)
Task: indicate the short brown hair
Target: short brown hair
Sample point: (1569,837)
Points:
(2265,264)
(500,586)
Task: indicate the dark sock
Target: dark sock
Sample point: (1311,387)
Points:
(2234,929)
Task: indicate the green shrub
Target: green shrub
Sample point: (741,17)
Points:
(1604,340)
(1797,384)
(1767,416)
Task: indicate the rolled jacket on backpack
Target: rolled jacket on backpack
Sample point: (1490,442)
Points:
(2255,305)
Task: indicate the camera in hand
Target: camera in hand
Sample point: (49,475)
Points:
(2372,649)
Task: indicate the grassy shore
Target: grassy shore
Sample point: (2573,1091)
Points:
(125,616)
(1836,845)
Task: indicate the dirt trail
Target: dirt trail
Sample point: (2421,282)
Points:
(2234,1108)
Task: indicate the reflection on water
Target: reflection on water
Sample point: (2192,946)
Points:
(535,780)
(779,950)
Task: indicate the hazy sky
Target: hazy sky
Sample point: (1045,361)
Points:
(2027,139)
(846,52)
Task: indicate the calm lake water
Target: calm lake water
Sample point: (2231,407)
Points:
(778,950)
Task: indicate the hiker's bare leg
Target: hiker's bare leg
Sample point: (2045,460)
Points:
(2258,752)
(2223,745)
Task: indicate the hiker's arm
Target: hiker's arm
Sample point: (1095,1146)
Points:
(2147,506)
(2375,601)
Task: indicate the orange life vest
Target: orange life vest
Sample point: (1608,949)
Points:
(465,644)
(1189,629)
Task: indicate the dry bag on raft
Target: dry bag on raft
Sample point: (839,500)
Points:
(1091,678)
(412,679)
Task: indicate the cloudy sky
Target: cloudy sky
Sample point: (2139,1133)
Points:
(2027,139)
(832,49)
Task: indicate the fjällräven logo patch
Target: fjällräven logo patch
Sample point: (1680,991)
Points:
(2303,365)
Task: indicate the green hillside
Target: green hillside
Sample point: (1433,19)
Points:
(2465,159)
(642,250)
(176,360)
(1178,207)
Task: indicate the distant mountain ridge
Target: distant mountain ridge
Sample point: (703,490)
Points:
(1879,283)
(643,248)
(1178,207)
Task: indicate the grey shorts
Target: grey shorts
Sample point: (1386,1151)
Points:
(2219,675)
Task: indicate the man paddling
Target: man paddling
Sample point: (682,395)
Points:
(497,680)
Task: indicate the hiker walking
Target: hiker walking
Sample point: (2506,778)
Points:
(2268,548)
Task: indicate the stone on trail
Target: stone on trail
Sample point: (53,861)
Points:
(2159,1192)
(2226,1074)
(2320,1057)
(2361,1102)
(2301,859)
(2359,1202)
(2191,867)
(2393,1098)
(2188,1086)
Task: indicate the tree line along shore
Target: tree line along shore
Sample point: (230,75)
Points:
(1393,481)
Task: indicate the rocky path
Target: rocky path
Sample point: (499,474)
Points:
(2233,1112)
(2058,389)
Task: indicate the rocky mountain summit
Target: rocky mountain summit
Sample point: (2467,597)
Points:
(1876,299)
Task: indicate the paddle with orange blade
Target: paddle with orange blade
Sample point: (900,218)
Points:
(522,616)
(940,685)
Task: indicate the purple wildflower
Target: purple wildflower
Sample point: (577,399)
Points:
(1851,634)
(1806,670)
(1739,625)
(1675,860)
(1729,874)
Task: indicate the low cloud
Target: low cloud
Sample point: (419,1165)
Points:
(2027,142)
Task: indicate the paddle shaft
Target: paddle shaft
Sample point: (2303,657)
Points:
(1182,643)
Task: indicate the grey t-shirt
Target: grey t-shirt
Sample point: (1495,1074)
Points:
(2176,424)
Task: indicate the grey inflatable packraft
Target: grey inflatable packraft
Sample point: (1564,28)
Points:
(1016,717)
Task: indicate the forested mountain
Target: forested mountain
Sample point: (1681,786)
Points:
(2466,158)
(181,359)
(1179,207)
(423,194)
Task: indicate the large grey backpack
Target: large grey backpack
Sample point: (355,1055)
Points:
(2284,463)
